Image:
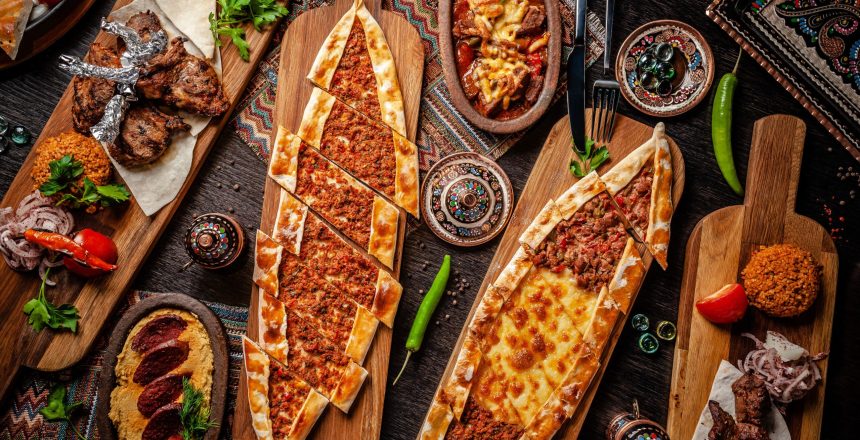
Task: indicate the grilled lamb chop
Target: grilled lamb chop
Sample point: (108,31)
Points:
(91,94)
(724,425)
(144,135)
(175,77)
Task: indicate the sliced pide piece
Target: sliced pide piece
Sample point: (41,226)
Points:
(641,185)
(305,292)
(310,356)
(438,419)
(303,233)
(355,64)
(353,208)
(371,151)
(565,399)
(282,405)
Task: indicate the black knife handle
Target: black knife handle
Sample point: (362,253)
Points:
(576,95)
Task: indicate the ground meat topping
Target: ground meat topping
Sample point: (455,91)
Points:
(361,145)
(590,244)
(354,80)
(286,396)
(314,358)
(635,200)
(339,263)
(325,187)
(301,289)
(478,423)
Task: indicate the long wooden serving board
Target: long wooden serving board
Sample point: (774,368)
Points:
(719,248)
(301,42)
(135,235)
(549,178)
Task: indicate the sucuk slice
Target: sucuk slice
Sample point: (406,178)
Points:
(160,392)
(160,360)
(157,331)
(165,424)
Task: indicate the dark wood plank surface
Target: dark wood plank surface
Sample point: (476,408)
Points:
(29,93)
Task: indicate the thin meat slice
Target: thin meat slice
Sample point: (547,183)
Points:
(160,392)
(160,360)
(165,424)
(158,331)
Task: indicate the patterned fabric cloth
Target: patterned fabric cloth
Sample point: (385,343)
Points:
(20,418)
(442,130)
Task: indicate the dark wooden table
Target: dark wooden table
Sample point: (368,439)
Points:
(29,93)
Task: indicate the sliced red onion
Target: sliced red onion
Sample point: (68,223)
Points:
(786,381)
(33,212)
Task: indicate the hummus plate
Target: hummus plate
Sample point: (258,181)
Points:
(187,308)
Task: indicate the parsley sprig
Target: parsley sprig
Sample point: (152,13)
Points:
(233,13)
(43,314)
(194,414)
(65,173)
(58,411)
(588,159)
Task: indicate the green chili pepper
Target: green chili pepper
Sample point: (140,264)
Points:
(425,312)
(721,128)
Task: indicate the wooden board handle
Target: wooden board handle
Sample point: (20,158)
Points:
(774,165)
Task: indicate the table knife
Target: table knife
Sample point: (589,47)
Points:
(576,79)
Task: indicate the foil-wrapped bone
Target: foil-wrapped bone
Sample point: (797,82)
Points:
(108,127)
(137,52)
(122,75)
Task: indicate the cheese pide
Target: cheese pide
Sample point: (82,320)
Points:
(534,344)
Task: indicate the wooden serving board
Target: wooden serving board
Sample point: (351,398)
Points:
(717,251)
(217,340)
(550,178)
(134,233)
(299,48)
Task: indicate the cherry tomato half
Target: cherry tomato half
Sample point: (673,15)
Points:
(725,306)
(97,244)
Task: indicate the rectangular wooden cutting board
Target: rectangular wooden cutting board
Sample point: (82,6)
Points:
(301,42)
(719,248)
(549,178)
(135,235)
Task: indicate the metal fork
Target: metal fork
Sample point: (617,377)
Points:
(605,93)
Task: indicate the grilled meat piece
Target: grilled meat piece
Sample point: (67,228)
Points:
(748,431)
(751,399)
(91,95)
(144,135)
(724,425)
(532,21)
(145,24)
(175,77)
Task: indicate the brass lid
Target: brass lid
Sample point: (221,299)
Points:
(467,199)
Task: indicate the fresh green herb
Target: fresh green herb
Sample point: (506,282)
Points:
(44,314)
(58,411)
(588,159)
(65,172)
(233,13)
(194,413)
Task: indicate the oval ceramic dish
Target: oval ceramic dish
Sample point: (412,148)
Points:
(467,199)
(693,62)
(47,29)
(107,378)
(455,88)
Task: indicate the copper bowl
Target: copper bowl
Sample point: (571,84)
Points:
(455,88)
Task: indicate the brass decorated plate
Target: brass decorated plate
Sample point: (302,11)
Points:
(693,63)
(467,199)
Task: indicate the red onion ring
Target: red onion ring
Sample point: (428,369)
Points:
(786,381)
(33,212)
